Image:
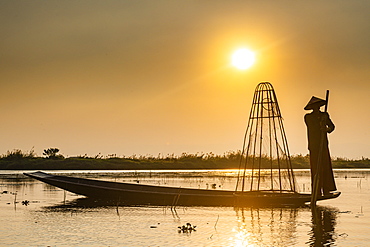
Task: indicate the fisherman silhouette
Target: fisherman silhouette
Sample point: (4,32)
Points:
(318,125)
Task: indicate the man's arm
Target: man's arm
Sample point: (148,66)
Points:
(329,124)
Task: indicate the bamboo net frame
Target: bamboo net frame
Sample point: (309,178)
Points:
(265,163)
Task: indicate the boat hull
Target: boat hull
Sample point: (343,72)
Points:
(138,194)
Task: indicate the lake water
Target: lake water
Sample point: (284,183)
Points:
(54,217)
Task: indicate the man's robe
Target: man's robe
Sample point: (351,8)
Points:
(318,125)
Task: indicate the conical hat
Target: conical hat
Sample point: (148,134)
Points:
(314,101)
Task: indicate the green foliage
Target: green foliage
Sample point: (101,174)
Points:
(348,163)
(17,159)
(52,153)
(17,155)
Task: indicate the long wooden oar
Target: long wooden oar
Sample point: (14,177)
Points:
(316,181)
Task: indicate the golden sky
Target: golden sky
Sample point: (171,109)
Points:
(149,77)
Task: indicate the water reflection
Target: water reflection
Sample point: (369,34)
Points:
(255,226)
(278,226)
(323,226)
(84,203)
(266,226)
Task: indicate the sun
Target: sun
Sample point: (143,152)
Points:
(243,58)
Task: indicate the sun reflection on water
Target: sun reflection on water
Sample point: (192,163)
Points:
(265,226)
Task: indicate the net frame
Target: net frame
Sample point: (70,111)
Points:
(265,163)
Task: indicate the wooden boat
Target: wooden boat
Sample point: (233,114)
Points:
(139,194)
(265,151)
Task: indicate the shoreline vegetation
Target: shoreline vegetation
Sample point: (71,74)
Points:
(20,160)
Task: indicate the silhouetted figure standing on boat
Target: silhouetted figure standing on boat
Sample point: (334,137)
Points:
(318,125)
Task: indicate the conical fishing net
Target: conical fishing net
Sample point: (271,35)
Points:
(265,163)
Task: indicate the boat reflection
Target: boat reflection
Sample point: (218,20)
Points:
(279,226)
(85,202)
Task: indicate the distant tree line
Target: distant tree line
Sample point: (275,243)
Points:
(52,160)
